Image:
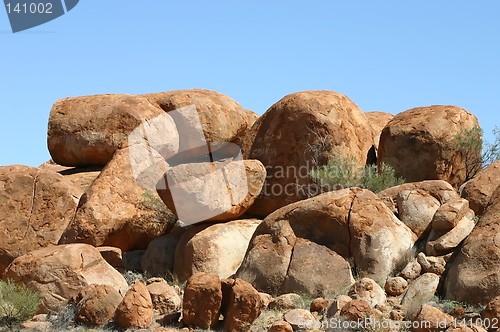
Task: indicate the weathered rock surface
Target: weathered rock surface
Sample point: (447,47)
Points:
(431,264)
(136,308)
(368,290)
(117,211)
(243,308)
(479,190)
(222,119)
(213,191)
(411,271)
(449,214)
(159,258)
(356,310)
(97,304)
(36,206)
(218,249)
(377,121)
(419,292)
(58,273)
(474,275)
(351,224)
(432,319)
(300,319)
(416,143)
(442,244)
(202,300)
(86,131)
(416,209)
(299,132)
(492,311)
(438,189)
(81,177)
(395,286)
(165,298)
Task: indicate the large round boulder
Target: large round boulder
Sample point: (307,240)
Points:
(331,234)
(218,249)
(302,131)
(86,131)
(479,190)
(59,273)
(474,275)
(119,209)
(417,143)
(36,206)
(221,118)
(212,191)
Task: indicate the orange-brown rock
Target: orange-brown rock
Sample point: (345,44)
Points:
(165,298)
(117,211)
(377,121)
(441,190)
(202,300)
(479,190)
(416,143)
(302,131)
(136,309)
(243,307)
(59,273)
(474,275)
(212,191)
(86,131)
(97,304)
(222,119)
(324,232)
(81,177)
(491,312)
(218,249)
(432,319)
(356,310)
(35,208)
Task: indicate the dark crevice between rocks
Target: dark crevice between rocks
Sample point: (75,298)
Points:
(351,259)
(33,198)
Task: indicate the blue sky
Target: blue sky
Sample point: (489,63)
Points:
(385,55)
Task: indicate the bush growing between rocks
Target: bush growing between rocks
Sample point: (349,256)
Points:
(17,303)
(342,172)
(476,153)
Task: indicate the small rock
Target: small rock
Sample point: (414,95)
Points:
(319,305)
(243,307)
(449,214)
(98,304)
(281,326)
(337,305)
(265,299)
(165,298)
(286,302)
(368,290)
(420,291)
(202,300)
(112,255)
(395,286)
(136,309)
(492,311)
(431,264)
(433,317)
(411,271)
(300,319)
(356,310)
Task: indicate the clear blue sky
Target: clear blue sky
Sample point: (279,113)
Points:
(385,55)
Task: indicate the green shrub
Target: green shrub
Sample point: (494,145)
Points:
(17,303)
(476,153)
(343,172)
